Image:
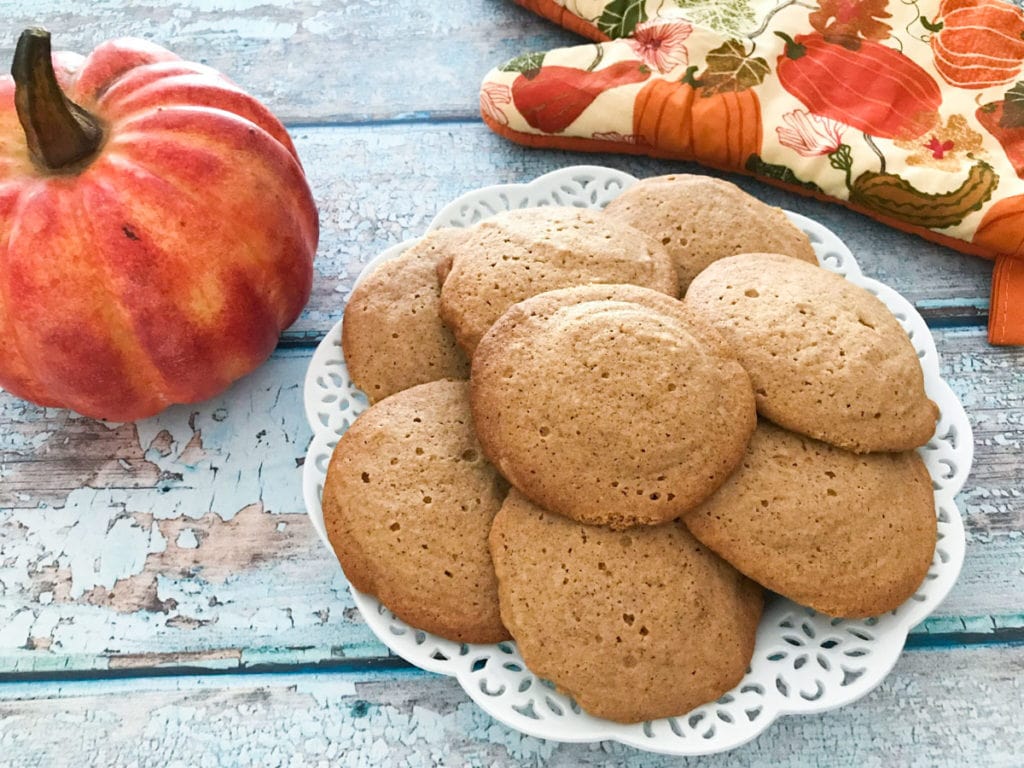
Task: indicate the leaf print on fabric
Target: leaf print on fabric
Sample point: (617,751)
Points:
(810,135)
(620,17)
(781,173)
(945,147)
(661,44)
(1013,108)
(493,96)
(848,21)
(528,62)
(729,17)
(731,70)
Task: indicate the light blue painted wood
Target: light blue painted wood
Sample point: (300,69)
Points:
(367,206)
(314,61)
(182,540)
(938,708)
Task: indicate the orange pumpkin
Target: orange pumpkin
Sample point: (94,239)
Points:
(156,229)
(1001,231)
(678,120)
(978,43)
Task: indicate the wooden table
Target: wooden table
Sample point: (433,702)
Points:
(163,599)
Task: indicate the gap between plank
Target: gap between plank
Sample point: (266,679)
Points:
(952,641)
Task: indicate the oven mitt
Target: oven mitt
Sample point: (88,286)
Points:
(910,112)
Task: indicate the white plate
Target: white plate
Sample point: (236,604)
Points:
(803,662)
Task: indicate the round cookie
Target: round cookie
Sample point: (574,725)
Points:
(517,254)
(827,358)
(610,404)
(848,535)
(700,219)
(392,335)
(408,503)
(635,625)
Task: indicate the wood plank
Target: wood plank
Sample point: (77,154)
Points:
(365,210)
(315,61)
(181,540)
(938,708)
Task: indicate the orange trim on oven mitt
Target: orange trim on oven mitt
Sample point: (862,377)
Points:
(912,113)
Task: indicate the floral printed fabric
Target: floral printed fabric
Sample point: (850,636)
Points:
(911,112)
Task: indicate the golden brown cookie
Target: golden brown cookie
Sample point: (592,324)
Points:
(635,625)
(827,358)
(392,335)
(700,219)
(408,503)
(846,534)
(609,404)
(517,254)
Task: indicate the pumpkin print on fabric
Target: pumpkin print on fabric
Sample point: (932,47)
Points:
(911,112)
(978,43)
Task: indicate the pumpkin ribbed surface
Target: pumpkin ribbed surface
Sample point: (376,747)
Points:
(167,266)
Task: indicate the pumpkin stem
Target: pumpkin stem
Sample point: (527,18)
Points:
(60,134)
(794,50)
(931,27)
(690,77)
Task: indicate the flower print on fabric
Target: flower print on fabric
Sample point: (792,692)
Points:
(660,44)
(810,135)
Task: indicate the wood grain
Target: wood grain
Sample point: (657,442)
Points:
(936,708)
(364,210)
(181,540)
(313,61)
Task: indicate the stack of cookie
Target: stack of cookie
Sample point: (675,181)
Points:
(624,470)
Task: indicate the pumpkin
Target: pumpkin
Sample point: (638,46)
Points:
(1001,231)
(1005,121)
(978,43)
(156,229)
(874,88)
(680,120)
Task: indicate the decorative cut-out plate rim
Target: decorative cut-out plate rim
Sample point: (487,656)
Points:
(489,672)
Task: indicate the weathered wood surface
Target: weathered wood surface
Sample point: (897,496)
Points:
(314,61)
(180,543)
(364,209)
(181,540)
(936,708)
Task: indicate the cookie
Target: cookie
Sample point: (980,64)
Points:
(517,254)
(392,335)
(609,404)
(700,219)
(635,625)
(848,535)
(827,358)
(408,503)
